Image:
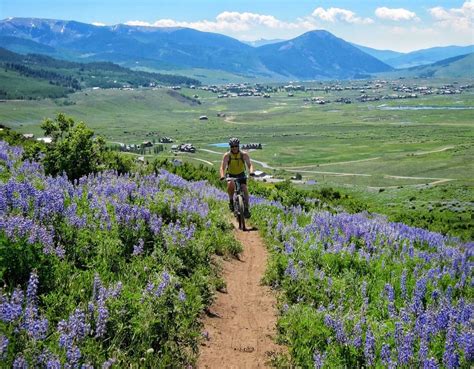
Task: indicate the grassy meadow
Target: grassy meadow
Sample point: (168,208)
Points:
(377,151)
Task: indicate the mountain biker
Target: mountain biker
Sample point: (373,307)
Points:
(233,165)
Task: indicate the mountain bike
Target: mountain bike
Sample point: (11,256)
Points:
(239,204)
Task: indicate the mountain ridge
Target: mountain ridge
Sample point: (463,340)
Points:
(189,48)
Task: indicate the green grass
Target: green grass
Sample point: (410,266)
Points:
(369,145)
(18,86)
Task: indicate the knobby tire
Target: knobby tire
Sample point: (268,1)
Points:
(241,208)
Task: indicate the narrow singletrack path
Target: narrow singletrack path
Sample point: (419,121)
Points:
(241,323)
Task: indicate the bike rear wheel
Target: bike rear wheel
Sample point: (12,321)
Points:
(241,208)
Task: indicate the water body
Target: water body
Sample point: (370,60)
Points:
(425,107)
(221,144)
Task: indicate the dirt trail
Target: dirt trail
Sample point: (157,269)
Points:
(241,325)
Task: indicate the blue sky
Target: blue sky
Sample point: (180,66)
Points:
(400,25)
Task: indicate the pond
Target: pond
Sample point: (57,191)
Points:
(221,144)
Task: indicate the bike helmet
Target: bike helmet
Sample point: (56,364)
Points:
(234,142)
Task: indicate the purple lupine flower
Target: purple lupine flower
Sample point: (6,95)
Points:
(53,363)
(385,354)
(49,360)
(102,313)
(391,299)
(405,352)
(403,284)
(423,351)
(165,281)
(114,291)
(291,270)
(73,355)
(357,340)
(418,295)
(20,363)
(398,333)
(32,288)
(138,249)
(182,295)
(288,248)
(74,329)
(11,311)
(318,359)
(155,224)
(466,342)
(3,346)
(430,363)
(450,356)
(109,363)
(369,348)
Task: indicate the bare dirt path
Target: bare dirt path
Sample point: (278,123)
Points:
(241,326)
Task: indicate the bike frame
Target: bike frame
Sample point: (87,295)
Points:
(239,204)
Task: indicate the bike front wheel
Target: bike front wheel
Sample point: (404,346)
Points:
(240,212)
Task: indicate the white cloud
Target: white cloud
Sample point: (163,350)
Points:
(335,14)
(396,14)
(233,22)
(99,24)
(460,19)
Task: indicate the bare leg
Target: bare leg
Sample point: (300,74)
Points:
(246,195)
(230,190)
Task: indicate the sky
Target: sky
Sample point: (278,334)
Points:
(399,25)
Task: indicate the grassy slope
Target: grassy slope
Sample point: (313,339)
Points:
(17,86)
(398,142)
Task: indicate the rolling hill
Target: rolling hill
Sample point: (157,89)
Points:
(428,56)
(36,76)
(415,58)
(460,66)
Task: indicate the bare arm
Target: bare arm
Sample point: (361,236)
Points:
(224,164)
(246,158)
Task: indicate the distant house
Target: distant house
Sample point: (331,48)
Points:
(259,173)
(203,117)
(45,139)
(28,135)
(147,144)
(165,140)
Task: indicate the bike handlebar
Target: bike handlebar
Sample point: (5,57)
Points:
(227,178)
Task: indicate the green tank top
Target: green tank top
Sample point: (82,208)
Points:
(236,164)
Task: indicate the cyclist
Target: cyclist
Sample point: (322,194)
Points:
(233,165)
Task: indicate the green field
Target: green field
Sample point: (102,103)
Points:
(359,146)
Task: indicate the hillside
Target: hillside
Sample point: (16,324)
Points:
(33,75)
(316,54)
(456,67)
(111,270)
(382,55)
(401,60)
(428,56)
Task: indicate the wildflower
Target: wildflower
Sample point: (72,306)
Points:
(138,249)
(369,348)
(318,359)
(3,346)
(385,354)
(108,364)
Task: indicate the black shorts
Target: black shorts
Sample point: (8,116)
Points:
(242,177)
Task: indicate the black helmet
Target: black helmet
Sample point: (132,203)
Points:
(234,142)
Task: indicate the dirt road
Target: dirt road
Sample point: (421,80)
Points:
(241,328)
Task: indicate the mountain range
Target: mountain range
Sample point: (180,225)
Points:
(314,55)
